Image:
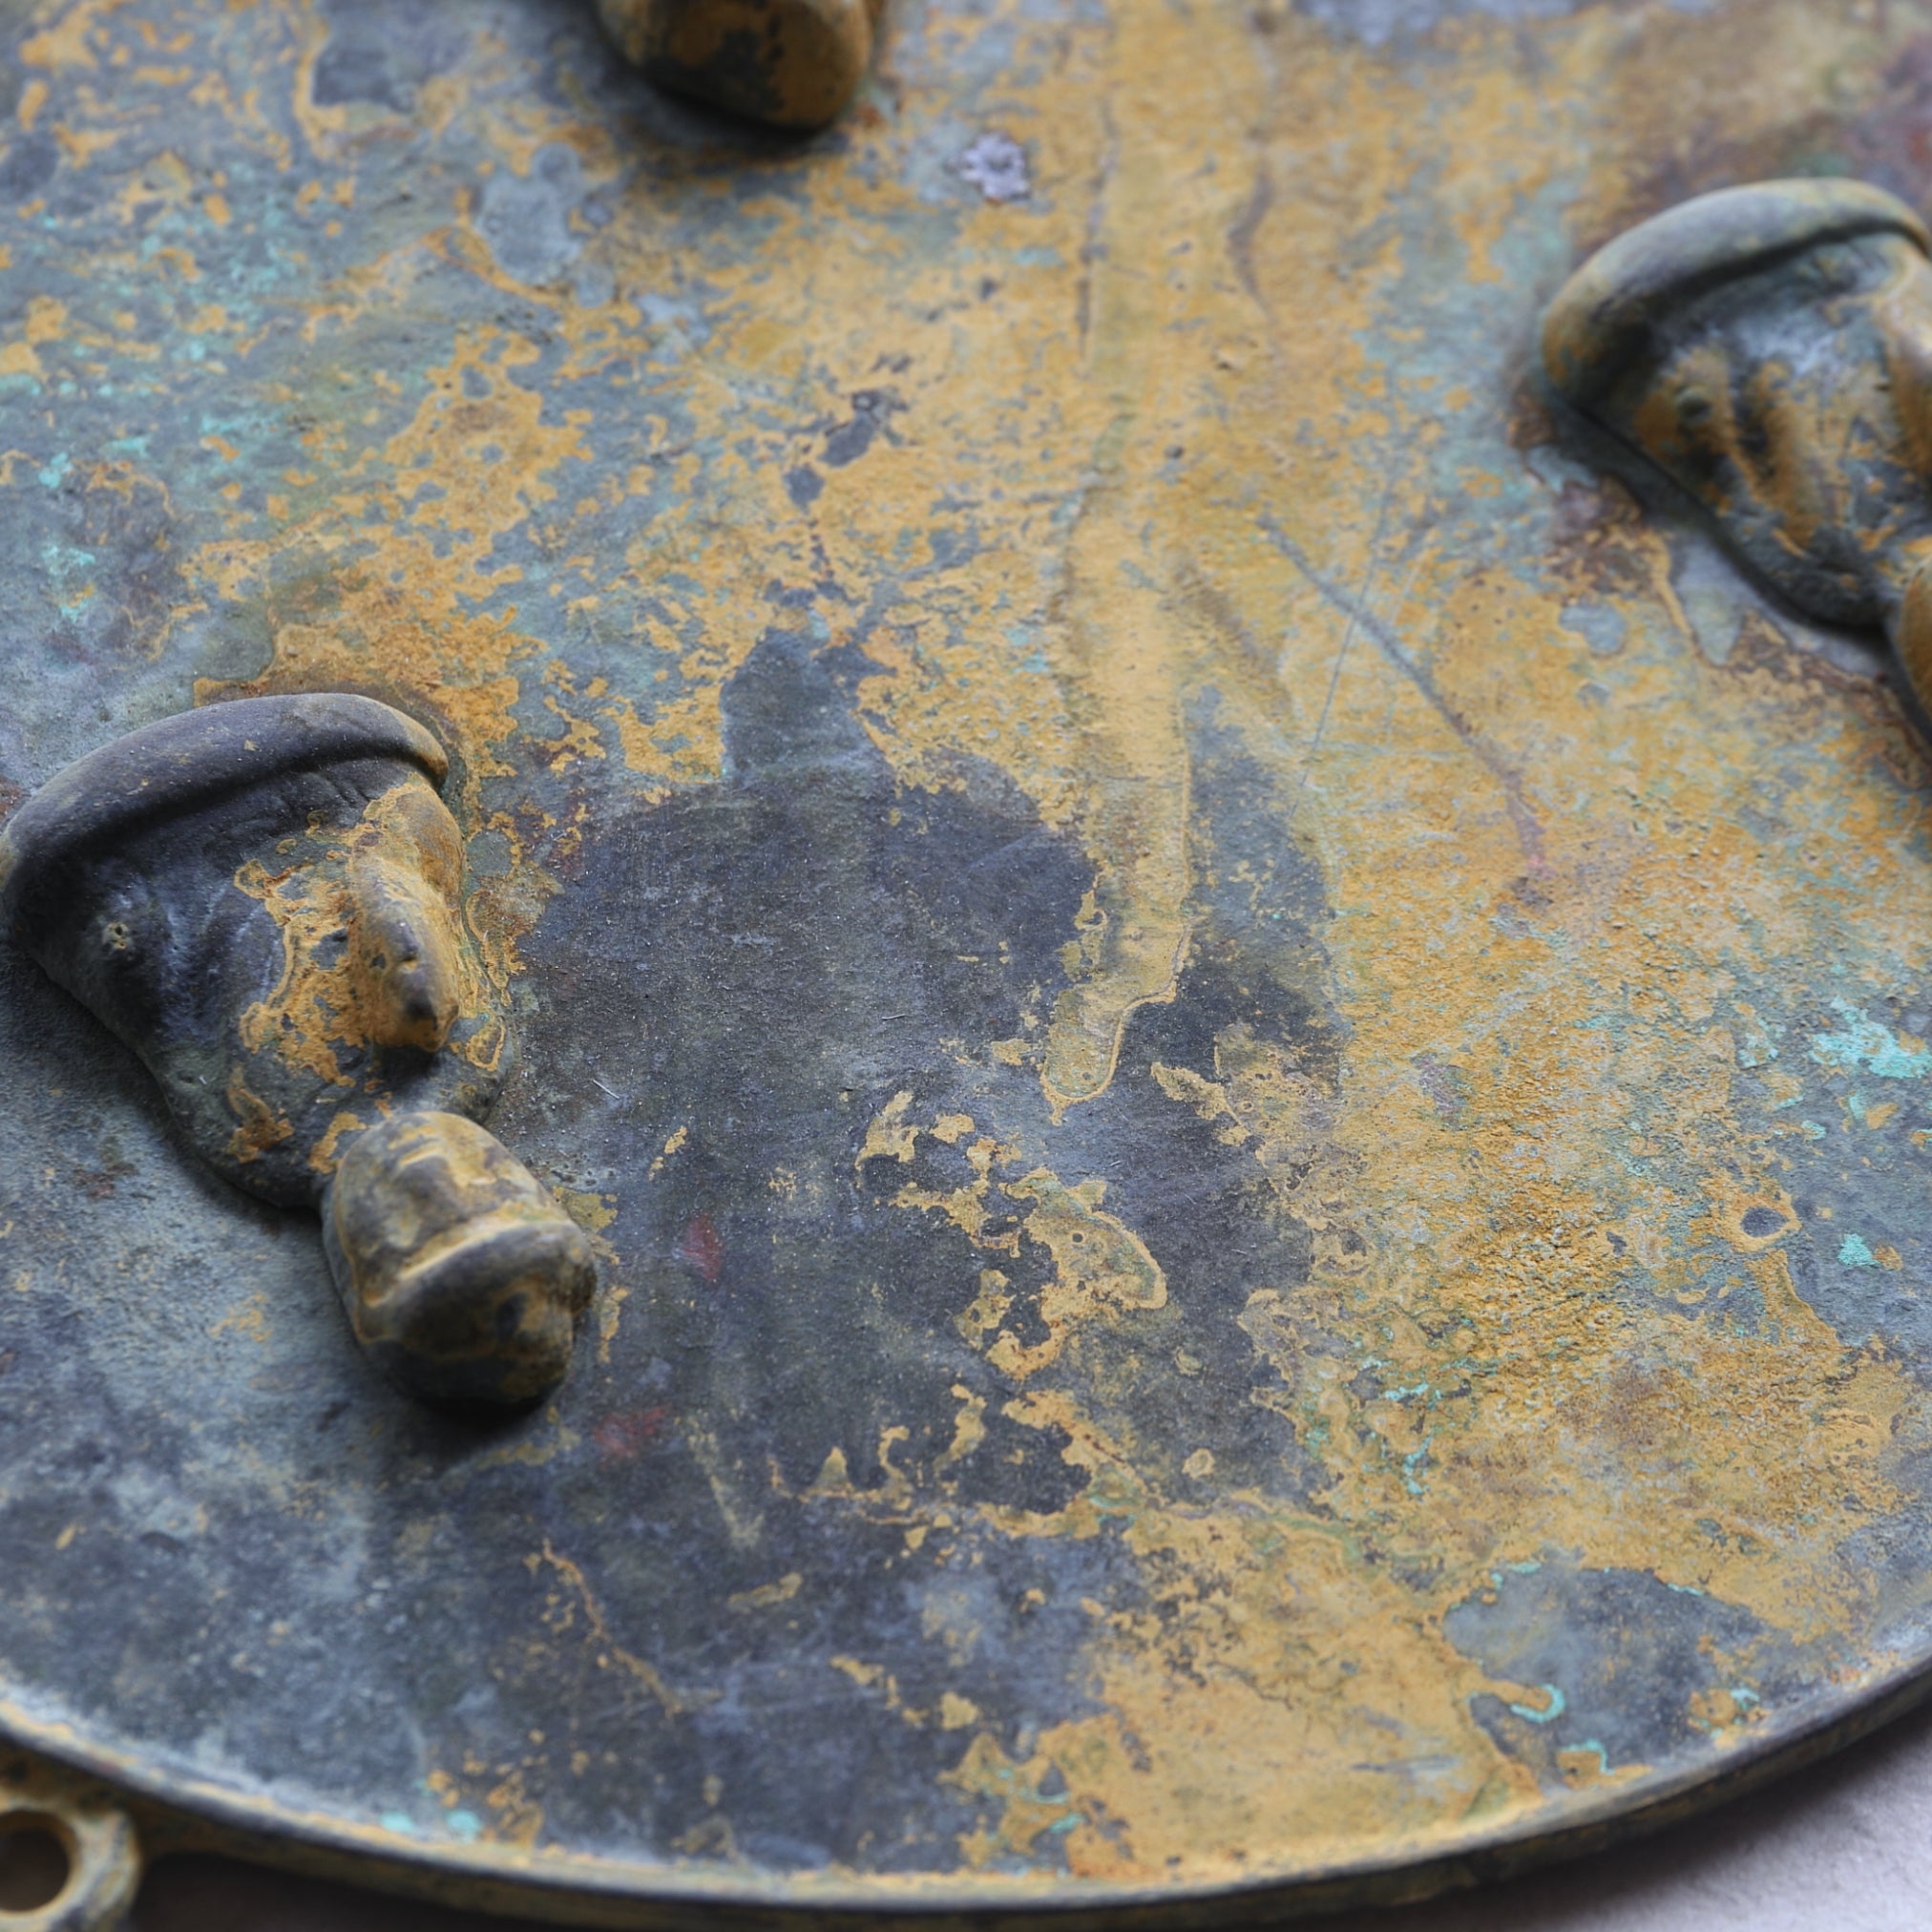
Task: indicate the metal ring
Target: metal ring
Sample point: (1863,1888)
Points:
(94,1833)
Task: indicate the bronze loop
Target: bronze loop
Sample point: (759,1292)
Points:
(95,1836)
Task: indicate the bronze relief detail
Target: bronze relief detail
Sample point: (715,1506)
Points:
(1769,350)
(264,900)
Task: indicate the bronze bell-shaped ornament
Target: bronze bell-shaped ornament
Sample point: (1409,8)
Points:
(264,900)
(1769,350)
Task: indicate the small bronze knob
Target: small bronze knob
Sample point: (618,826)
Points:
(1769,350)
(264,899)
(788,63)
(461,1274)
(407,952)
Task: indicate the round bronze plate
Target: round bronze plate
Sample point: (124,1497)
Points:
(1249,1059)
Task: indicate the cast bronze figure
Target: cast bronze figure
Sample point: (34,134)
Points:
(1769,350)
(264,899)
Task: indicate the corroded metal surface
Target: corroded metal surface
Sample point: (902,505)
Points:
(1248,1056)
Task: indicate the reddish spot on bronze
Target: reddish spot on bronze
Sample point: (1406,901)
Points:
(624,1439)
(699,1246)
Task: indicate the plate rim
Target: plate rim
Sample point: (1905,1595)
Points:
(265,1830)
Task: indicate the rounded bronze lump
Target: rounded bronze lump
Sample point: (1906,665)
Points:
(1768,348)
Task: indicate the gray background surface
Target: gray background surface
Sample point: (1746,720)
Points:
(1846,1845)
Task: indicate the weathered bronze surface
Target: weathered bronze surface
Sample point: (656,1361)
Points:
(265,901)
(1248,1056)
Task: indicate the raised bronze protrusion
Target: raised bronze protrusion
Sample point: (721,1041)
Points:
(1769,350)
(788,63)
(461,1274)
(264,899)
